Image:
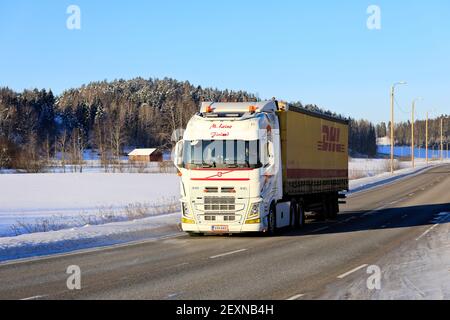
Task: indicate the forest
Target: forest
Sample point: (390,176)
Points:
(402,131)
(108,116)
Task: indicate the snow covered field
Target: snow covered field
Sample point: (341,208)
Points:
(74,199)
(375,176)
(85,210)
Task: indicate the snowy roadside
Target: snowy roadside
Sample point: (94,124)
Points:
(417,270)
(62,201)
(115,190)
(54,242)
(367,183)
(83,211)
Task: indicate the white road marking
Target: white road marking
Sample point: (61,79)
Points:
(342,276)
(427,232)
(443,216)
(297,296)
(414,286)
(34,297)
(91,250)
(374,211)
(227,253)
(320,229)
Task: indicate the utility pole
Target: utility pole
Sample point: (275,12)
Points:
(392,123)
(392,129)
(412,134)
(442,140)
(412,131)
(426,139)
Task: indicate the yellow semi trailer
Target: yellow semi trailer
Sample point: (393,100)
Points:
(259,166)
(314,151)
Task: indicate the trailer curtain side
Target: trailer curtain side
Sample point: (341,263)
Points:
(314,152)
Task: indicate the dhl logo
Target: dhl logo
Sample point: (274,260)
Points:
(330,140)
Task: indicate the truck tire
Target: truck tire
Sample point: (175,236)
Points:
(293,214)
(333,207)
(272,221)
(329,208)
(300,221)
(322,213)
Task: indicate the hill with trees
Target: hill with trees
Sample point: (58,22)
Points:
(402,131)
(106,116)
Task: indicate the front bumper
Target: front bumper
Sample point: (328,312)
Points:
(234,228)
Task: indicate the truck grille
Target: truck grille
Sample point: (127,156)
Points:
(220,204)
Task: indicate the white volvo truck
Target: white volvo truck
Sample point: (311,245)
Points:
(258,166)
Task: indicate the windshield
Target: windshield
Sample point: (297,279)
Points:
(221,154)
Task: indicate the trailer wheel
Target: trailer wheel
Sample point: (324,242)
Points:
(293,214)
(334,206)
(300,221)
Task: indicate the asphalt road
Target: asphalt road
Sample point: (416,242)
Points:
(319,261)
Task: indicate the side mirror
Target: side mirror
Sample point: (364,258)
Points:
(178,154)
(270,152)
(270,158)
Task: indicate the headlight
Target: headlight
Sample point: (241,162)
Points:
(185,208)
(254,210)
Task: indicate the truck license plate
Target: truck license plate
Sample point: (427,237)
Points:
(219,228)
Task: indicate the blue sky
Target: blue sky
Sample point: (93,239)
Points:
(315,51)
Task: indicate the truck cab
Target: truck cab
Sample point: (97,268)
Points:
(259,166)
(229,165)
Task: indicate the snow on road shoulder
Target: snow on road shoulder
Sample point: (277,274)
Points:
(42,195)
(46,243)
(414,270)
(74,199)
(366,183)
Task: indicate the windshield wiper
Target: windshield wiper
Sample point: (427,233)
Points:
(206,165)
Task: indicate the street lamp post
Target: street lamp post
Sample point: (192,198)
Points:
(392,122)
(442,140)
(426,139)
(412,130)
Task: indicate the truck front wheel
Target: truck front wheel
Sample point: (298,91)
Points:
(272,221)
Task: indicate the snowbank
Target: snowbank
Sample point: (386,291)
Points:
(72,196)
(45,243)
(405,170)
(40,196)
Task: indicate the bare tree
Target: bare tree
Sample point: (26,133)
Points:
(102,144)
(76,150)
(47,151)
(117,135)
(62,141)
